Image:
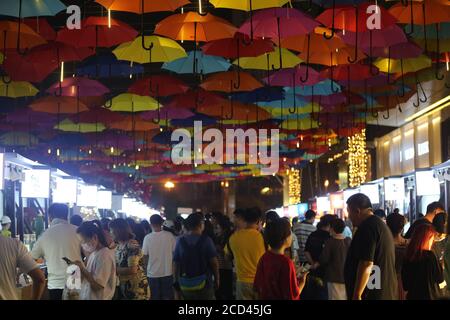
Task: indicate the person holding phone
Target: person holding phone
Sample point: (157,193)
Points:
(98,276)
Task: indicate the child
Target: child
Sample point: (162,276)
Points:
(275,275)
(333,260)
(6,224)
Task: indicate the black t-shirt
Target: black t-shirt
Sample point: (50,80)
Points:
(421,278)
(314,245)
(415,224)
(372,241)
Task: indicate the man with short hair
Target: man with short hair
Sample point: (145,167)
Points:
(246,246)
(302,232)
(372,246)
(158,250)
(58,241)
(433,209)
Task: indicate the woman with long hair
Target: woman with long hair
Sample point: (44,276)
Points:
(133,284)
(396,223)
(222,233)
(421,271)
(98,276)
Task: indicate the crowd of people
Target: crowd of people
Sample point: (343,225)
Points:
(252,256)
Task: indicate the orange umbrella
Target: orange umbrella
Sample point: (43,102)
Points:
(332,58)
(192,26)
(425,12)
(136,5)
(130,124)
(235,110)
(57,105)
(225,82)
(9,33)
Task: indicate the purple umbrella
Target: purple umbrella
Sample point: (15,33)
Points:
(78,87)
(278,23)
(293,77)
(28,116)
(168,113)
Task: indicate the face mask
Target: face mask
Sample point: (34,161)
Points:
(88,248)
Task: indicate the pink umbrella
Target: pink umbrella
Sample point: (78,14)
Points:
(78,87)
(168,113)
(404,50)
(293,77)
(277,23)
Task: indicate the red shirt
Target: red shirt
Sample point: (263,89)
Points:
(275,278)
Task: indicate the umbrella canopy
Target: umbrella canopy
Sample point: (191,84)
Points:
(98,32)
(106,66)
(20,68)
(31,8)
(28,116)
(403,65)
(390,36)
(238,110)
(41,27)
(78,87)
(167,113)
(127,102)
(55,52)
(9,32)
(248,5)
(293,77)
(133,125)
(238,46)
(17,89)
(193,98)
(199,62)
(57,105)
(162,85)
(398,51)
(192,26)
(97,115)
(425,12)
(224,82)
(162,50)
(69,126)
(269,60)
(135,6)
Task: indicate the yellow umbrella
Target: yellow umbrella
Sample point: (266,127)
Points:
(17,89)
(1,58)
(163,50)
(403,65)
(128,102)
(69,126)
(301,124)
(248,5)
(290,60)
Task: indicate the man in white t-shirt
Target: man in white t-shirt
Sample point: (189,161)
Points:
(158,250)
(13,255)
(57,242)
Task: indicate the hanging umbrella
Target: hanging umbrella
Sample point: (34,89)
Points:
(20,68)
(28,116)
(162,85)
(167,113)
(278,23)
(193,98)
(127,102)
(17,89)
(58,105)
(247,112)
(133,125)
(403,65)
(192,26)
(398,51)
(55,52)
(322,88)
(97,32)
(78,87)
(135,6)
(348,72)
(293,77)
(162,50)
(41,27)
(69,126)
(333,58)
(97,115)
(107,66)
(266,94)
(203,64)
(189,122)
(264,61)
(10,32)
(224,81)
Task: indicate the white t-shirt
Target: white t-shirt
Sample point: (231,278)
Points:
(159,247)
(13,255)
(58,241)
(102,266)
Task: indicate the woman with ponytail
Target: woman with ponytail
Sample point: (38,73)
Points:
(98,276)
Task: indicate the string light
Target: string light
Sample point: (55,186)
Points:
(109,18)
(49,151)
(357,159)
(58,152)
(294,186)
(62,72)
(112,149)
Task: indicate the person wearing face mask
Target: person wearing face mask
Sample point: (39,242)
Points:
(58,241)
(98,276)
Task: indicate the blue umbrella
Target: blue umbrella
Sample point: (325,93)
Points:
(264,94)
(203,64)
(31,8)
(107,65)
(323,88)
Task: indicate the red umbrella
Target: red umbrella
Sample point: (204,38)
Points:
(55,52)
(96,32)
(78,87)
(348,72)
(194,98)
(158,86)
(41,27)
(20,68)
(97,115)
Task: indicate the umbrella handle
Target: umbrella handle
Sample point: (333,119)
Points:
(108,104)
(412,18)
(402,94)
(356,38)
(389,69)
(4,77)
(237,84)
(425,99)
(447,85)
(19,51)
(307,62)
(385,117)
(332,24)
(203,12)
(157,120)
(279,48)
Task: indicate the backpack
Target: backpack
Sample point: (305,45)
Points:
(193,266)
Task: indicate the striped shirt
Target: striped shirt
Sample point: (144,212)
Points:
(302,231)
